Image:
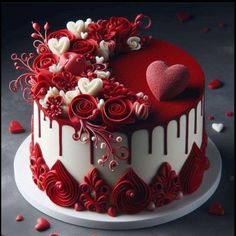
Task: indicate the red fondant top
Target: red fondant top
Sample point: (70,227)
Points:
(130,69)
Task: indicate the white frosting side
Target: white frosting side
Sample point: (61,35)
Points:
(76,156)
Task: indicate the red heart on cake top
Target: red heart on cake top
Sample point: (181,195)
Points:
(165,81)
(216,209)
(15,127)
(42,224)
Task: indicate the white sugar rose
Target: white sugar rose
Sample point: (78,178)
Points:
(134,43)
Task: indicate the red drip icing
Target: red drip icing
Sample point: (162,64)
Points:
(60,139)
(131,194)
(178,127)
(129,140)
(186,134)
(91,153)
(165,186)
(60,186)
(195,120)
(202,105)
(191,174)
(50,123)
(165,139)
(94,192)
(39,122)
(150,140)
(44,117)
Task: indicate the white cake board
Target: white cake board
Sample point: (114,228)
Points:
(167,213)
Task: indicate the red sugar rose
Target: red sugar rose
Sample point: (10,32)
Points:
(84,46)
(61,33)
(83,106)
(118,111)
(44,61)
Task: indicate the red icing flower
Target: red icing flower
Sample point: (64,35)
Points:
(165,186)
(38,166)
(118,110)
(42,49)
(84,46)
(60,186)
(84,107)
(120,26)
(94,192)
(54,106)
(40,84)
(191,174)
(61,33)
(44,61)
(65,81)
(131,194)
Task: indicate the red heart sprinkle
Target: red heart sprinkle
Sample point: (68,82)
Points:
(19,217)
(215,84)
(183,16)
(79,206)
(54,234)
(229,113)
(42,224)
(15,127)
(112,211)
(216,209)
(210,117)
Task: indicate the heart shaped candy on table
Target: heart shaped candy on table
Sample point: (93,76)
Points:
(73,62)
(218,127)
(92,87)
(216,209)
(42,224)
(60,46)
(165,81)
(15,127)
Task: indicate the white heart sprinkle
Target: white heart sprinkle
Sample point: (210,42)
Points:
(102,74)
(55,68)
(84,35)
(76,27)
(60,46)
(99,60)
(90,87)
(217,127)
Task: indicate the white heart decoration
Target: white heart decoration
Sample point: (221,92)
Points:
(60,46)
(217,127)
(84,35)
(55,68)
(76,27)
(90,87)
(99,59)
(102,74)
(101,104)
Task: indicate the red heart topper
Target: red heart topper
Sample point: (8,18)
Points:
(165,81)
(15,127)
(42,224)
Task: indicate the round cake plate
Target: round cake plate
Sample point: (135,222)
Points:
(167,213)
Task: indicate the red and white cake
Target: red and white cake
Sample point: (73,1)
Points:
(118,117)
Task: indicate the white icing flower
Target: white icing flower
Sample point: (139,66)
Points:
(102,74)
(69,95)
(134,43)
(52,91)
(103,50)
(55,68)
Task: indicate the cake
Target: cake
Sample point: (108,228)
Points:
(118,121)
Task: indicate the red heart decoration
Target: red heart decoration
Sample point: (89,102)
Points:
(19,217)
(183,16)
(215,84)
(15,127)
(165,81)
(216,209)
(42,224)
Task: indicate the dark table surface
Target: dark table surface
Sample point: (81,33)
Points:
(214,50)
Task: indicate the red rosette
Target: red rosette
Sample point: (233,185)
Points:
(191,174)
(131,194)
(165,186)
(84,46)
(61,33)
(95,192)
(54,106)
(83,107)
(44,61)
(38,166)
(64,81)
(118,110)
(40,84)
(60,186)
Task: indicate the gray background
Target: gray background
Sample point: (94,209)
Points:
(213,50)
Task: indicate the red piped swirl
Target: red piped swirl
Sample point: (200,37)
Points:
(60,186)
(38,166)
(191,174)
(131,194)
(165,186)
(95,192)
